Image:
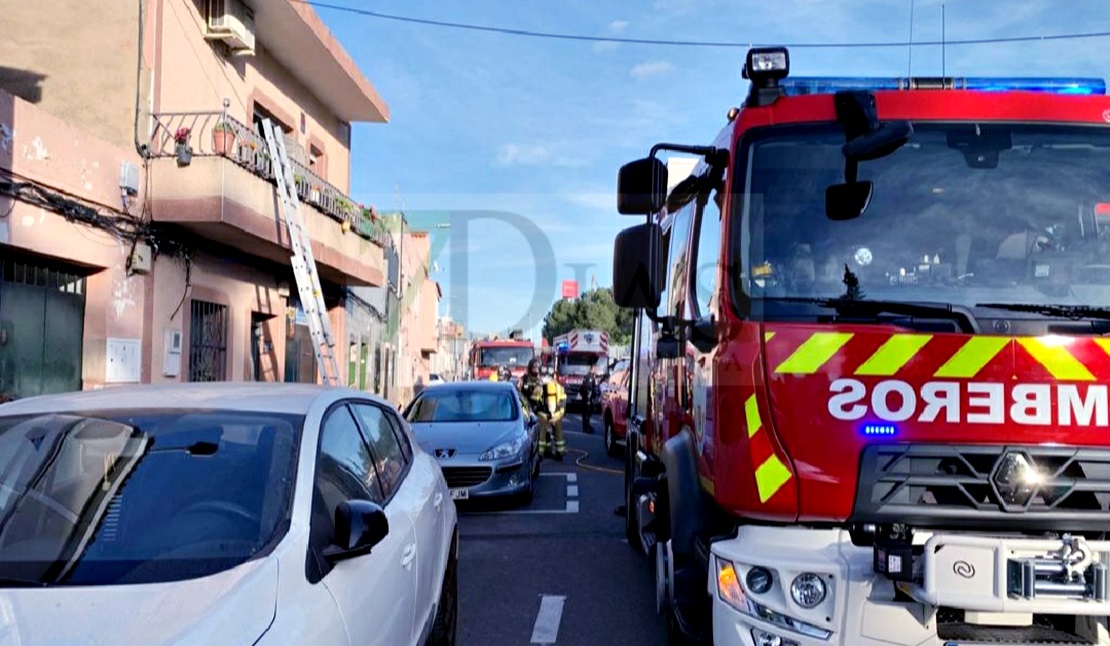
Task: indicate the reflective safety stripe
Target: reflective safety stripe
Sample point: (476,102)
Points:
(972,357)
(770,477)
(772,474)
(751,412)
(1104,344)
(895,353)
(811,355)
(1057,360)
(767,336)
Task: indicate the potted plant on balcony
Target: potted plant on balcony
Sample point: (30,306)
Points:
(182,148)
(223,138)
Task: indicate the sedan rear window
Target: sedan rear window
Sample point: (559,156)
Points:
(458,405)
(141,497)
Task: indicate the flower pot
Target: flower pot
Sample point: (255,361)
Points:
(223,141)
(184,155)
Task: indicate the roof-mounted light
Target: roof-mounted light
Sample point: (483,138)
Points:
(832,85)
(766,65)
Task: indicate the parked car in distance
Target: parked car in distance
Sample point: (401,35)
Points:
(482,434)
(229,513)
(614,410)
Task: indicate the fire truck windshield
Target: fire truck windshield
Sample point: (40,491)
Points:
(505,356)
(578,363)
(962,214)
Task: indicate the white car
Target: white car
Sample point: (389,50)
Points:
(221,514)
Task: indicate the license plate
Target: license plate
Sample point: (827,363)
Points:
(460,494)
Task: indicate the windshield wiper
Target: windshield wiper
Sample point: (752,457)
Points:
(872,308)
(1063,311)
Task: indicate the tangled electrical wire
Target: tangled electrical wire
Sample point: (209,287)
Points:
(125,228)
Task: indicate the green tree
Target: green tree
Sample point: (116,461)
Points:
(594,310)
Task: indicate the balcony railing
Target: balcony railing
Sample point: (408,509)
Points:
(215,134)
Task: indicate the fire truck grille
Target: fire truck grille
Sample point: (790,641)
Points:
(1039,488)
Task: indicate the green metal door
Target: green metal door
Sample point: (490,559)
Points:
(42,314)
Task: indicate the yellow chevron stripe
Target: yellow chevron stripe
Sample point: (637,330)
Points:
(811,355)
(1057,360)
(767,336)
(972,357)
(770,477)
(1104,344)
(895,353)
(751,412)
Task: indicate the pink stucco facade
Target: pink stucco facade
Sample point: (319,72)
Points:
(228,298)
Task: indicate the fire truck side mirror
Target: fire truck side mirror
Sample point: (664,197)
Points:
(637,267)
(642,187)
(847,201)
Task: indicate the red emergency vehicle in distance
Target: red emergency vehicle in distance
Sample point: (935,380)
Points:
(869,399)
(488,355)
(574,353)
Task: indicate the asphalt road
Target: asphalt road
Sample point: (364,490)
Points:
(561,573)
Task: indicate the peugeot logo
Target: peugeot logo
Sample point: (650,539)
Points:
(1016,479)
(443,454)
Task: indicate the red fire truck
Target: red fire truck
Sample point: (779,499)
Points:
(487,356)
(575,352)
(869,391)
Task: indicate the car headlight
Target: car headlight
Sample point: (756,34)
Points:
(504,450)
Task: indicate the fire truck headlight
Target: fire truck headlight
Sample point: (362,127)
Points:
(808,590)
(767,64)
(728,585)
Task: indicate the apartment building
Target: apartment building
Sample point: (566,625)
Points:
(140,239)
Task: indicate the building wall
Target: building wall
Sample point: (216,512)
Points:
(39,147)
(75,60)
(196,75)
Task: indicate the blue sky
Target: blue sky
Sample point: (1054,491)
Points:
(491,132)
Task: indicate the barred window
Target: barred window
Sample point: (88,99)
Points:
(208,342)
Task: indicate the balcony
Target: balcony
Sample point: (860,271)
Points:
(225,191)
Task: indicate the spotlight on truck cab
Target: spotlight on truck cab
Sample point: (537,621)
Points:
(765,67)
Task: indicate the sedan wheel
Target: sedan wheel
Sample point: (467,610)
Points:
(610,441)
(446,626)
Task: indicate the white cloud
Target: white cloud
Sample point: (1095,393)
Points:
(522,155)
(652,68)
(618,26)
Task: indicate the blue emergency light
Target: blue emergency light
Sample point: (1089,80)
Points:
(880,429)
(830,85)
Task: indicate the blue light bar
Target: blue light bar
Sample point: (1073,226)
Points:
(880,429)
(799,86)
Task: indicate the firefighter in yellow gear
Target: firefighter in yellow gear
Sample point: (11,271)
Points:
(543,397)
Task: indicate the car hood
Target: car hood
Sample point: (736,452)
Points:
(236,606)
(464,437)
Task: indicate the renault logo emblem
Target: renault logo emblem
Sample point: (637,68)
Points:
(1016,479)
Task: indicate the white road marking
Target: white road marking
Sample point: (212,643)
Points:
(571,506)
(546,628)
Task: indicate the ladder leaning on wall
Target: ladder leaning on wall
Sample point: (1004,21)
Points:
(304,263)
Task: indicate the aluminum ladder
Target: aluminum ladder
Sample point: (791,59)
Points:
(304,263)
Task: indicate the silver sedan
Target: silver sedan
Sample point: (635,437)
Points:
(483,436)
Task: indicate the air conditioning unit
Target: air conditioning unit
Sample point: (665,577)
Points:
(231,21)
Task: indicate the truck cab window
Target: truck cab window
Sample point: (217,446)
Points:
(706,255)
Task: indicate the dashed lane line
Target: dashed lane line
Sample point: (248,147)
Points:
(546,628)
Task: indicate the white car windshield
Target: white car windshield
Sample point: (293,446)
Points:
(141,497)
(963,214)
